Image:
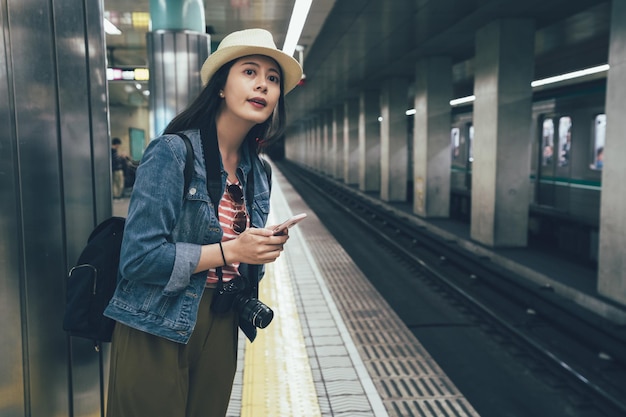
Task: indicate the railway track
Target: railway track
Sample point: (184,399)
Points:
(565,348)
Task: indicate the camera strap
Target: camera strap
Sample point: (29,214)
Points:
(211,154)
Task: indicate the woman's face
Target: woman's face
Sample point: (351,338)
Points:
(252,88)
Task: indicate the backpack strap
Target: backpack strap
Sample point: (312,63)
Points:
(188,161)
(210,147)
(268,171)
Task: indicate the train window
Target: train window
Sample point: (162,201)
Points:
(455,138)
(565,140)
(547,142)
(599,135)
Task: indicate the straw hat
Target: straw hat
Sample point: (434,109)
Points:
(251,42)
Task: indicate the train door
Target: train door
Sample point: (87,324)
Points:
(461,139)
(555,155)
(599,135)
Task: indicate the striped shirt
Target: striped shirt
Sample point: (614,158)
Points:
(227,210)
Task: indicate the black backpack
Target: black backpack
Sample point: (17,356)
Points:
(92,281)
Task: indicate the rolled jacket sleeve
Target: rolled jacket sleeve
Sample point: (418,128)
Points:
(187,258)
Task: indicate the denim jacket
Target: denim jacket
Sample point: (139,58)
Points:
(157,291)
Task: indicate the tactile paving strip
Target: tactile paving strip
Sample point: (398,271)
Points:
(406,378)
(362,359)
(277,376)
(343,386)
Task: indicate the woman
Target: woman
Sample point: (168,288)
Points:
(171,354)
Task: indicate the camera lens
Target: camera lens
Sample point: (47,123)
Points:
(254,311)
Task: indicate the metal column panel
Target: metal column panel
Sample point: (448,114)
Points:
(38,207)
(85,159)
(54,187)
(11,356)
(175,59)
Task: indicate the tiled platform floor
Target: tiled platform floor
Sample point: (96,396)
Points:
(329,354)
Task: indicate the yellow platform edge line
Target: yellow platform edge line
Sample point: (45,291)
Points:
(277,377)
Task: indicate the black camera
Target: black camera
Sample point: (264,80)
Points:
(253,311)
(236,294)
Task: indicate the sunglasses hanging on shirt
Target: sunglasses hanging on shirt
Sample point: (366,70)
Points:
(240,220)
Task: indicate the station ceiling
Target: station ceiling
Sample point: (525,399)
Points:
(350,45)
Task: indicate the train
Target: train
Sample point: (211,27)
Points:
(568,135)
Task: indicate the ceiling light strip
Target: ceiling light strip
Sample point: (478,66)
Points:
(296,24)
(536,83)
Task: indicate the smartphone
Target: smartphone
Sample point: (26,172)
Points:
(280,229)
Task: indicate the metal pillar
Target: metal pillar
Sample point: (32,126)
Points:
(55,185)
(177,48)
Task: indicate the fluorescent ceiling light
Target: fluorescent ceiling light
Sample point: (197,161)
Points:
(462,100)
(110,28)
(536,83)
(570,75)
(296,24)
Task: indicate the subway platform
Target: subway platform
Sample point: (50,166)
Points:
(335,347)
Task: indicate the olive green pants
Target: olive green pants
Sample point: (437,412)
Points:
(154,377)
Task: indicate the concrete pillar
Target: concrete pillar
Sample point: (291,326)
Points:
(309,131)
(296,146)
(394,154)
(291,142)
(308,147)
(431,137)
(315,143)
(300,147)
(337,169)
(318,143)
(308,144)
(504,67)
(306,138)
(369,141)
(351,141)
(177,48)
(611,261)
(296,143)
(326,157)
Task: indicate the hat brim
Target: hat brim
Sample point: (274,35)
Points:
(291,69)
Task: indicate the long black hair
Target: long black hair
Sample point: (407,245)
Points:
(204,109)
